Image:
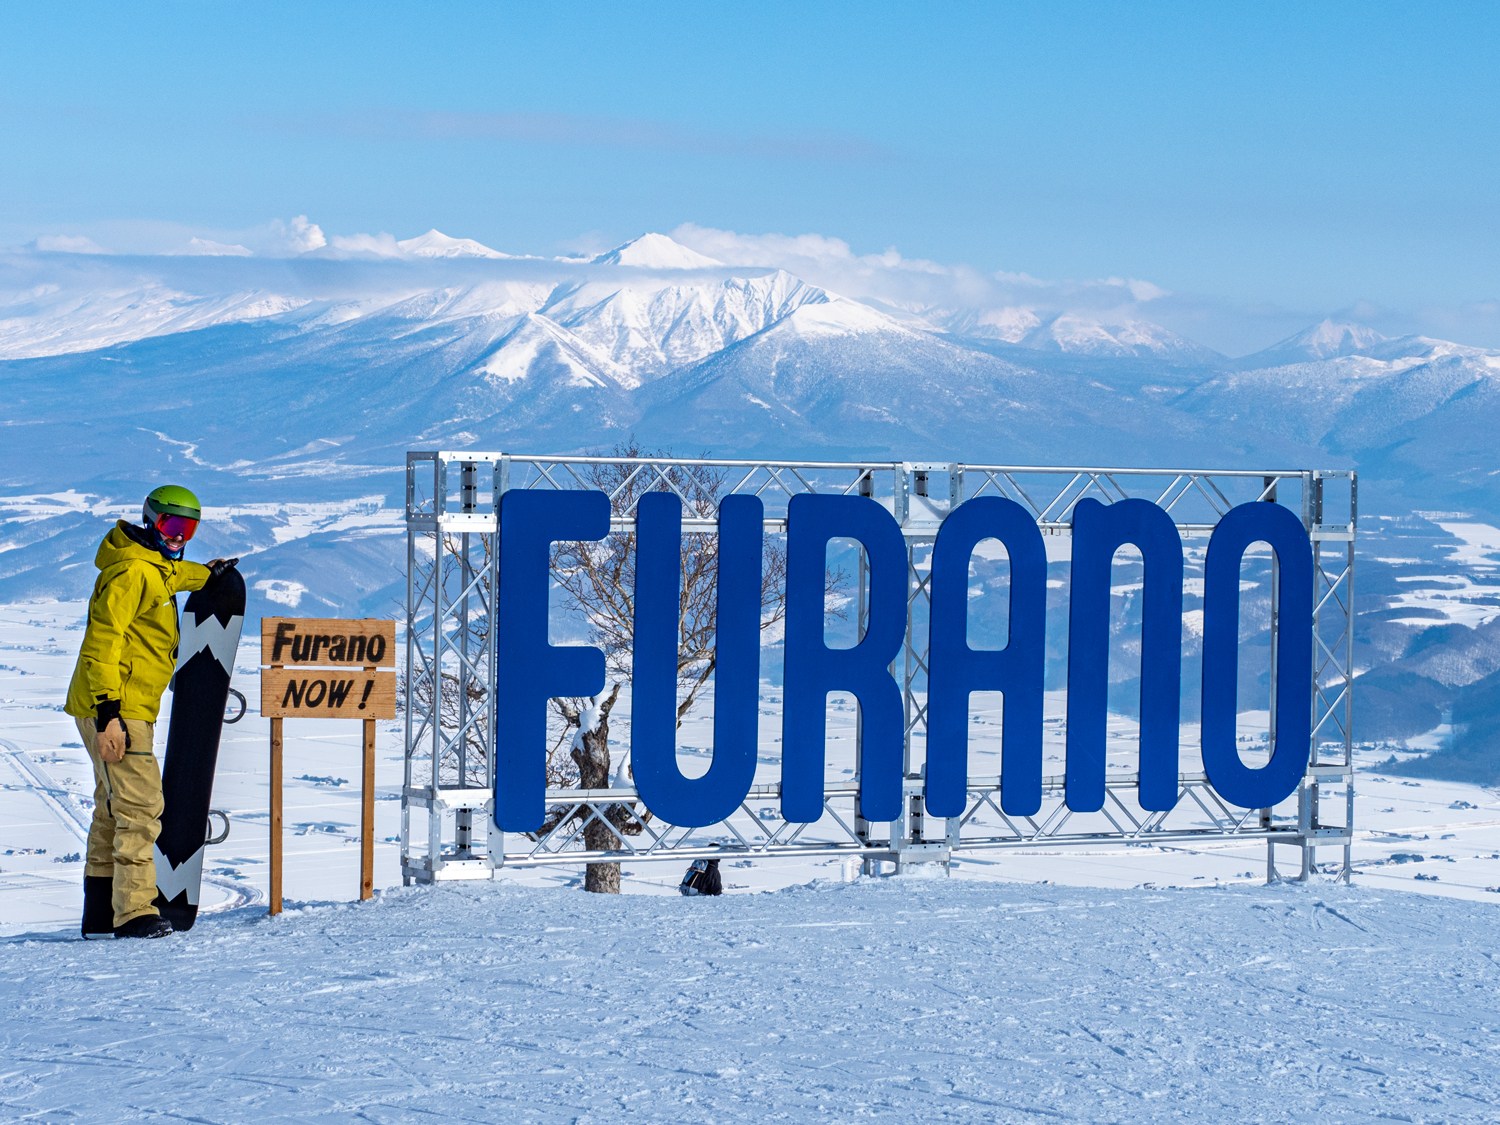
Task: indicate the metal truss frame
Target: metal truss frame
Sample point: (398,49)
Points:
(452,501)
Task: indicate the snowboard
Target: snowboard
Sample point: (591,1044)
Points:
(209,634)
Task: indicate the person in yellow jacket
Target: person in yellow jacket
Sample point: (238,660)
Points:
(128,655)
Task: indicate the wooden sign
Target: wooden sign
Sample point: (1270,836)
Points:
(325,642)
(308,658)
(309,693)
(327,668)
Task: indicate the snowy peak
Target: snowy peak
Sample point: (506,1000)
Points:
(1329,337)
(52,320)
(1428,349)
(436,244)
(1077,335)
(837,317)
(490,301)
(1008,325)
(656,252)
(1325,340)
(655,324)
(1072,334)
(539,347)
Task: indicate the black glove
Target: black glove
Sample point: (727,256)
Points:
(218,566)
(106,711)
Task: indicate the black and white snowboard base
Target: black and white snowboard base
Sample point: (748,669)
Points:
(210,634)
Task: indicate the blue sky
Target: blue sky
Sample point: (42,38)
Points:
(1266,163)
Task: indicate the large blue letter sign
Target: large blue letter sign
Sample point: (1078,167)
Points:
(955,669)
(528,670)
(813,669)
(1241,526)
(695,802)
(1099,531)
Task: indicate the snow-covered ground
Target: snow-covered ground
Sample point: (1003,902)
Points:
(906,999)
(1122,982)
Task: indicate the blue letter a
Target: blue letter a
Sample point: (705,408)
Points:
(956,670)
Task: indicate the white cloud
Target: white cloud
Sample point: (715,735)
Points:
(363,246)
(278,238)
(1139,290)
(208,247)
(300,235)
(282,238)
(67,244)
(920,286)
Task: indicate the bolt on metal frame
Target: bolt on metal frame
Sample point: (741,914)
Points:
(452,527)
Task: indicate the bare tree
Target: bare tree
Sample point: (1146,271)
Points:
(590,753)
(599,577)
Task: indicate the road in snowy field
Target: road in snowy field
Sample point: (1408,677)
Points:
(906,998)
(62,803)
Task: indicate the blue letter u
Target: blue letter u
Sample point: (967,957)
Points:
(695,802)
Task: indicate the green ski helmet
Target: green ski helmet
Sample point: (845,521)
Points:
(174,505)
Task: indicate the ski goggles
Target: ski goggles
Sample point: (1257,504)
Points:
(176,527)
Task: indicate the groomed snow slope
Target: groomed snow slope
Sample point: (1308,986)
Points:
(908,999)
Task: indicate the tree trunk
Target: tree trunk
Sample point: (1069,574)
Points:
(592,756)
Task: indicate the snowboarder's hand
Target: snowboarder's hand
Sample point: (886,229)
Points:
(111,742)
(217,567)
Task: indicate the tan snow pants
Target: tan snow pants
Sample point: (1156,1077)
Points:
(127,819)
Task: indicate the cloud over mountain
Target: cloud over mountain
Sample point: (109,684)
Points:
(926,289)
(638,287)
(1003,305)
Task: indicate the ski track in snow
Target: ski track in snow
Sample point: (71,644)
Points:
(917,999)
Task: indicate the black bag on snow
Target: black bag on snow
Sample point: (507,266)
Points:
(702,878)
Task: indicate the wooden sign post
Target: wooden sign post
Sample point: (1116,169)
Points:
(327,668)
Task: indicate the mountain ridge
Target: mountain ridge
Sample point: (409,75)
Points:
(70,311)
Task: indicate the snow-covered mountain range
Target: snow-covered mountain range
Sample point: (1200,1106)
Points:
(54,303)
(289,389)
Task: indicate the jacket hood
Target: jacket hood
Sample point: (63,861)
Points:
(124,544)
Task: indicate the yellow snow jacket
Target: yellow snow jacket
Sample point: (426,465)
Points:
(130,645)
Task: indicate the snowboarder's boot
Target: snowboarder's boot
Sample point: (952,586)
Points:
(145,926)
(98,907)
